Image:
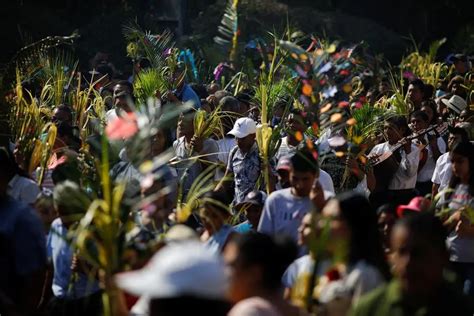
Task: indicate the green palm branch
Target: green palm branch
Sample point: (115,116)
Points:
(144,44)
(229,29)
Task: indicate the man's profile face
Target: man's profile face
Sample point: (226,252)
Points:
(414,93)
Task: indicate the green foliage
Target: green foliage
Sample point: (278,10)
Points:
(369,121)
(149,82)
(424,65)
(143,44)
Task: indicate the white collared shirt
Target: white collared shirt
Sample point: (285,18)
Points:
(326,181)
(23,189)
(426,172)
(406,175)
(442,172)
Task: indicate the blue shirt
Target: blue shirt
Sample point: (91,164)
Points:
(243,228)
(217,241)
(188,94)
(61,253)
(22,242)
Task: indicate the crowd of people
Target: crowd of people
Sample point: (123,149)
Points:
(326,234)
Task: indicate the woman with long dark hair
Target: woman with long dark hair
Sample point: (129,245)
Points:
(461,229)
(356,249)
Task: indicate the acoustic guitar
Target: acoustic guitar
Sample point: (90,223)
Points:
(385,165)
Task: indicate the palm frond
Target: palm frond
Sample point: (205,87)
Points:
(229,29)
(28,59)
(200,186)
(424,65)
(148,83)
(369,120)
(146,45)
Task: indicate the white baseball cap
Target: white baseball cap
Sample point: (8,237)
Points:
(455,103)
(187,268)
(243,127)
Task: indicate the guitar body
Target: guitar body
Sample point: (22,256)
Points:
(384,170)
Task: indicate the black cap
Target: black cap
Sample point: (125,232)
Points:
(459,57)
(255,198)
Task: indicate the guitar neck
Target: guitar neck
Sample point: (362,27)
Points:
(413,136)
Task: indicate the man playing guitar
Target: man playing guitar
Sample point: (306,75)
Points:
(399,170)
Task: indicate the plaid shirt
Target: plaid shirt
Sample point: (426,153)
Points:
(246,169)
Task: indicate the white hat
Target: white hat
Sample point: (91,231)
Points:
(188,268)
(180,233)
(243,127)
(455,103)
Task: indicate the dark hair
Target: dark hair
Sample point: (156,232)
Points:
(365,243)
(126,84)
(387,208)
(400,122)
(65,108)
(105,69)
(273,255)
(304,161)
(188,305)
(428,91)
(456,79)
(459,131)
(420,114)
(243,97)
(432,105)
(425,225)
(65,129)
(219,200)
(419,84)
(465,149)
(9,168)
(229,103)
(199,89)
(68,170)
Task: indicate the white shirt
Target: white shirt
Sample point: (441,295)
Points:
(361,279)
(23,189)
(110,115)
(406,175)
(426,172)
(442,172)
(326,181)
(283,212)
(285,149)
(225,146)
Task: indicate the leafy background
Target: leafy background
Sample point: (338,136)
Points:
(383,24)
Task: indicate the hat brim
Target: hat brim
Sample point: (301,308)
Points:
(143,282)
(284,167)
(402,209)
(238,134)
(451,106)
(244,203)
